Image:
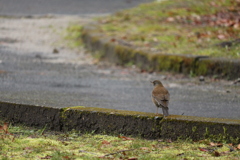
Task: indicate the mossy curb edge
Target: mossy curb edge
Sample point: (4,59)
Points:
(115,122)
(120,52)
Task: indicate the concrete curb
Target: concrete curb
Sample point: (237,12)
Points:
(120,52)
(110,121)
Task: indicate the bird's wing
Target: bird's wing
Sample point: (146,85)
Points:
(163,95)
(161,100)
(167,96)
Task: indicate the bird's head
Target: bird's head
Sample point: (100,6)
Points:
(156,82)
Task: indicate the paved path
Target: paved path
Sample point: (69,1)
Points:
(65,7)
(31,73)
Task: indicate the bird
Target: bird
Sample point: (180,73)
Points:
(160,96)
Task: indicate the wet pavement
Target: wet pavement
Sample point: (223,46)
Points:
(31,73)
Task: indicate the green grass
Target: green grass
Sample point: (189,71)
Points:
(22,142)
(172,26)
(72,35)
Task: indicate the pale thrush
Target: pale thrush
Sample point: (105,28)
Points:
(160,97)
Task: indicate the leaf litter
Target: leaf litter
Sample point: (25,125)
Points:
(179,27)
(19,142)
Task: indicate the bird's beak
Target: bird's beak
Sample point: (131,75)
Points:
(151,81)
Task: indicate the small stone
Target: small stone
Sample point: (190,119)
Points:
(236,81)
(38,56)
(201,79)
(55,51)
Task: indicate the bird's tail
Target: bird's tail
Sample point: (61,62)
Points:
(165,111)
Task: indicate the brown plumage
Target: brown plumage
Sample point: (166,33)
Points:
(160,97)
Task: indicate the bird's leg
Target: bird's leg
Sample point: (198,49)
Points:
(157,111)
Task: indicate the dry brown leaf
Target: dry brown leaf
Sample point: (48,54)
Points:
(238,147)
(170,19)
(1,71)
(113,40)
(1,128)
(4,128)
(215,144)
(133,158)
(66,157)
(105,142)
(221,36)
(46,157)
(144,148)
(169,140)
(203,149)
(125,138)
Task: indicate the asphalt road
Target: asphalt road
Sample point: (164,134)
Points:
(63,7)
(37,76)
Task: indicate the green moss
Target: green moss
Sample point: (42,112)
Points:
(201,69)
(147,60)
(200,128)
(110,111)
(71,145)
(194,129)
(73,35)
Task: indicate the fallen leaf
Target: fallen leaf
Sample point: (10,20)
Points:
(113,40)
(134,158)
(46,157)
(144,148)
(155,39)
(214,4)
(169,140)
(231,148)
(170,19)
(238,147)
(203,149)
(1,71)
(215,144)
(221,36)
(4,128)
(124,37)
(105,142)
(125,138)
(154,146)
(66,157)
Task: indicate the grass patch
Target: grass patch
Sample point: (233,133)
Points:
(20,142)
(179,27)
(73,35)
